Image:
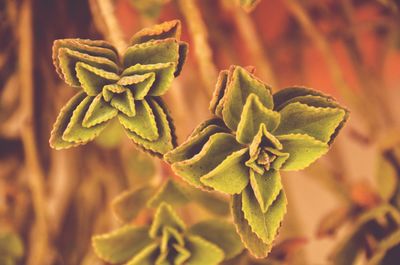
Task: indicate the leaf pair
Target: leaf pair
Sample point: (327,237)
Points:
(129,90)
(167,241)
(255,135)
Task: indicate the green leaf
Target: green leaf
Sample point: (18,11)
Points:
(143,123)
(217,149)
(98,112)
(165,30)
(11,245)
(303,150)
(203,252)
(254,215)
(95,48)
(231,175)
(110,90)
(69,58)
(166,140)
(192,145)
(164,75)
(147,256)
(138,84)
(266,187)
(254,114)
(128,204)
(220,233)
(264,225)
(251,241)
(240,85)
(56,141)
(75,132)
(171,193)
(165,216)
(388,251)
(124,102)
(92,79)
(122,244)
(152,52)
(319,123)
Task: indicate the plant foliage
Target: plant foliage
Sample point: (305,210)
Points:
(127,88)
(253,137)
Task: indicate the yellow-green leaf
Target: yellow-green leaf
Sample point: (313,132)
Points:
(221,233)
(302,149)
(122,244)
(143,123)
(254,114)
(128,204)
(203,252)
(165,216)
(319,123)
(217,149)
(231,175)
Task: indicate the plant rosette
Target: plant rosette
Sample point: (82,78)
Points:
(128,89)
(168,242)
(253,136)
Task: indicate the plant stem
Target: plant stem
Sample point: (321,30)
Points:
(202,50)
(113,31)
(39,251)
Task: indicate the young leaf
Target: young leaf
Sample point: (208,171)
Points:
(220,233)
(266,187)
(143,123)
(194,144)
(98,112)
(240,85)
(216,150)
(93,79)
(122,244)
(165,217)
(254,114)
(124,102)
(231,175)
(139,84)
(164,75)
(166,140)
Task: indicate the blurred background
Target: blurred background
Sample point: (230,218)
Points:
(52,202)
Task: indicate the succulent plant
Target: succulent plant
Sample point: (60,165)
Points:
(253,136)
(167,241)
(128,88)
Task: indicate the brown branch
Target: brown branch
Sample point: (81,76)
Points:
(39,245)
(202,50)
(108,23)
